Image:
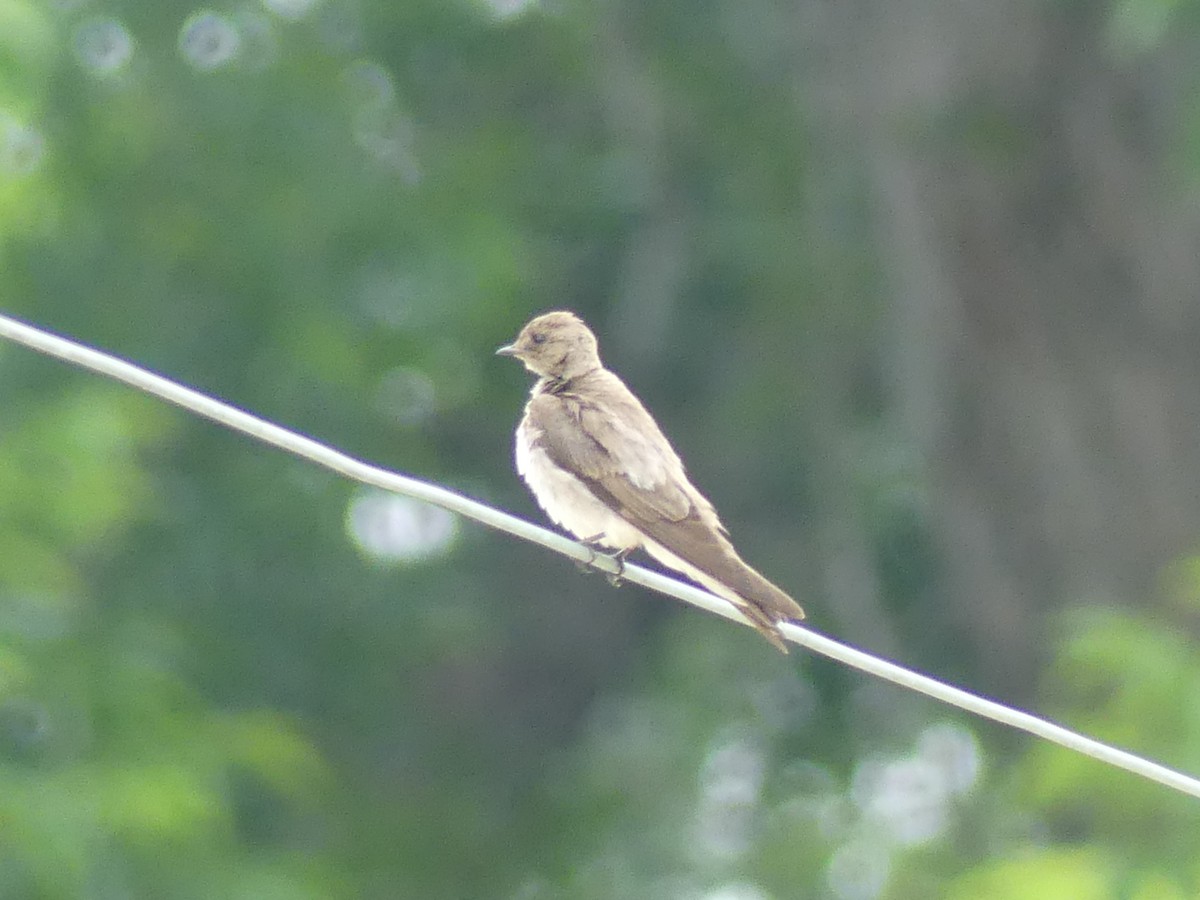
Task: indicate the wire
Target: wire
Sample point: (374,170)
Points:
(323,455)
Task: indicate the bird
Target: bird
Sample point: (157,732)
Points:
(599,466)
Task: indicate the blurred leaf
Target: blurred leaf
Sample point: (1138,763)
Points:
(1040,875)
(158,805)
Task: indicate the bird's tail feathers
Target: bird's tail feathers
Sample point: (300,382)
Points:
(725,574)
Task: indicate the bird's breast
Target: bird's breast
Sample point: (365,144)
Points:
(567,499)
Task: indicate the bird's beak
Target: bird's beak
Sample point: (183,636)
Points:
(507,350)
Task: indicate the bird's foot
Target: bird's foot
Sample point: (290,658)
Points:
(595,549)
(615,578)
(593,545)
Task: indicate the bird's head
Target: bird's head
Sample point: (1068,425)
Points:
(555,345)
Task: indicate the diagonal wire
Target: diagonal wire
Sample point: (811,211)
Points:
(339,462)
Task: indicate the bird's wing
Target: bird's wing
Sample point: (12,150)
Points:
(616,449)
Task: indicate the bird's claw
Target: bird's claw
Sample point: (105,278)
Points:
(593,545)
(595,552)
(589,564)
(616,578)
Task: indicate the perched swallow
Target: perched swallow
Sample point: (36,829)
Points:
(601,468)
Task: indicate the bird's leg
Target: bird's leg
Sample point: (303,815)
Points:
(614,578)
(595,545)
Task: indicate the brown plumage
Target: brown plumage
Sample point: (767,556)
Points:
(600,467)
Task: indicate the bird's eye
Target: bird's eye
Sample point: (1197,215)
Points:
(539,338)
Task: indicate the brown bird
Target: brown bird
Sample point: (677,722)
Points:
(601,468)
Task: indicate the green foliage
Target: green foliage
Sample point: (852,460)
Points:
(213,685)
(1120,677)
(1138,26)
(1125,678)
(1040,875)
(116,774)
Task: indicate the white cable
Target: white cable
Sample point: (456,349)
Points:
(323,455)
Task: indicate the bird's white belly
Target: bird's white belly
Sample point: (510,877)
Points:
(567,500)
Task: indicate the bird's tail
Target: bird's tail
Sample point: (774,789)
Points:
(724,573)
(763,604)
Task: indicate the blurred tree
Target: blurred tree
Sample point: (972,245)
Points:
(908,283)
(1029,194)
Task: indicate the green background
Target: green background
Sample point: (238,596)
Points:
(913,286)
